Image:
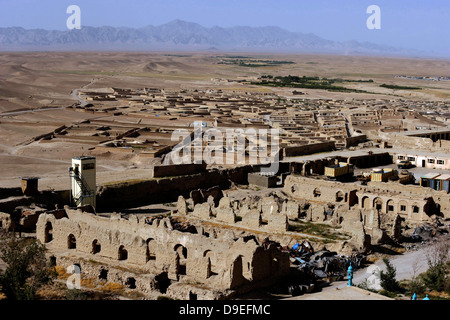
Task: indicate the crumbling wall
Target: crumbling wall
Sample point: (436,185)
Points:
(225,212)
(318,190)
(413,143)
(133,194)
(154,246)
(267,214)
(291,208)
(353,224)
(413,203)
(5,221)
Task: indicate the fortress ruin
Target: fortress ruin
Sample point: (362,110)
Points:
(207,263)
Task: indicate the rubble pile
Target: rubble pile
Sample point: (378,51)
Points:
(323,264)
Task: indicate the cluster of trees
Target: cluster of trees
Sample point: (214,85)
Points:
(395,87)
(253,63)
(436,278)
(306,82)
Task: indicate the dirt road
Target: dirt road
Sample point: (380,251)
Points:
(407,265)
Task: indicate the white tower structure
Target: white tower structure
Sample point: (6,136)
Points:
(83,181)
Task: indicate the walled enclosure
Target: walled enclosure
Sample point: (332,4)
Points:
(133,194)
(154,248)
(269,209)
(413,203)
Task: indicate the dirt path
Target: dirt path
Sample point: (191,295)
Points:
(407,265)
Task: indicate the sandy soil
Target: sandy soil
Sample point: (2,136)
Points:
(45,81)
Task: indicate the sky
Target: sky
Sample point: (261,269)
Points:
(409,24)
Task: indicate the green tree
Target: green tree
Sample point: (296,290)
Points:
(435,277)
(26,267)
(388,280)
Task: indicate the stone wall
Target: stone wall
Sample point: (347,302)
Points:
(155,247)
(320,190)
(353,141)
(133,194)
(262,180)
(414,203)
(269,214)
(308,149)
(413,143)
(177,170)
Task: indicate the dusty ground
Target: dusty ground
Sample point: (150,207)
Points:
(35,88)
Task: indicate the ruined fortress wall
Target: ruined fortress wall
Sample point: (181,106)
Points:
(411,194)
(155,247)
(112,197)
(45,198)
(414,203)
(319,190)
(141,193)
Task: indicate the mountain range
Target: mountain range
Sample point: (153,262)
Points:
(181,35)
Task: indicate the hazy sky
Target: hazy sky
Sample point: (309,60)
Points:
(415,24)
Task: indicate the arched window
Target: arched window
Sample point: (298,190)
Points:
(294,188)
(71,242)
(182,251)
(96,247)
(151,249)
(123,254)
(317,193)
(390,208)
(365,202)
(48,232)
(377,203)
(339,196)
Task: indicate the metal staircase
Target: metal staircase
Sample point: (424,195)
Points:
(84,190)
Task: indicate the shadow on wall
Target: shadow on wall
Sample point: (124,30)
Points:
(129,195)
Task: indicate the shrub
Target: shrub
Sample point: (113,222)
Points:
(417,286)
(388,280)
(435,278)
(27,268)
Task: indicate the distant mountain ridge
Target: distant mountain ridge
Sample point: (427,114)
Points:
(182,35)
